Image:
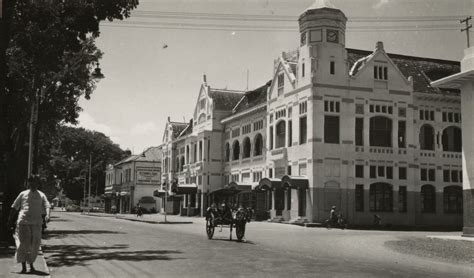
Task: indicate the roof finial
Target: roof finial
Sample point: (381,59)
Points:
(379,45)
(204,79)
(319,4)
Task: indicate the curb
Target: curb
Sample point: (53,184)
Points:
(140,220)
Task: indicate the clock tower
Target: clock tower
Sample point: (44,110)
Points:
(323,35)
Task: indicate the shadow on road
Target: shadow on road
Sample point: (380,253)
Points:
(60,220)
(73,255)
(64,233)
(36,273)
(234,240)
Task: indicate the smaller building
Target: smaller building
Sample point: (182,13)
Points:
(132,181)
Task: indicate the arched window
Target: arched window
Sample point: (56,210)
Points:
(227,152)
(258,145)
(381,197)
(427,137)
(246,146)
(182,164)
(452,141)
(280,134)
(202,118)
(236,150)
(380,132)
(428,198)
(452,196)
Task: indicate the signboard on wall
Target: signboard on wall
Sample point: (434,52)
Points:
(148,175)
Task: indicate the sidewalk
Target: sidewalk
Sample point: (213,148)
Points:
(453,237)
(9,268)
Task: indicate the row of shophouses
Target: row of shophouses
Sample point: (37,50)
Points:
(360,130)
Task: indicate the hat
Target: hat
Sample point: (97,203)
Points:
(333,207)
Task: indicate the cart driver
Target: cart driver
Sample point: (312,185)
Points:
(226,212)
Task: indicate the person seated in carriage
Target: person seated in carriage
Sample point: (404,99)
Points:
(225,212)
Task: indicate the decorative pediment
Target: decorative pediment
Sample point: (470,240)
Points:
(284,75)
(379,58)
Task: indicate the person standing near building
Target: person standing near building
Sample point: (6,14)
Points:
(30,205)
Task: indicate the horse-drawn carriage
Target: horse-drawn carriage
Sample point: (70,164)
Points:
(227,215)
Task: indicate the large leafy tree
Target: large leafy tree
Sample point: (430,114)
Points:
(47,57)
(64,160)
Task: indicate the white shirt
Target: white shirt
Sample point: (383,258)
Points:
(31,204)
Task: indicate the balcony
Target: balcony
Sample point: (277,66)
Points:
(453,155)
(383,150)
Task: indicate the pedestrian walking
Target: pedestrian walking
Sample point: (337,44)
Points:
(139,211)
(29,206)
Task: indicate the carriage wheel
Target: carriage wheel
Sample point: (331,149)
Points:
(209,228)
(240,231)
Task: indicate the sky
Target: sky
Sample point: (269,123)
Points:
(154,61)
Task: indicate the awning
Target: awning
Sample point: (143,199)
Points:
(186,188)
(159,193)
(147,200)
(240,187)
(226,191)
(268,183)
(295,182)
(124,193)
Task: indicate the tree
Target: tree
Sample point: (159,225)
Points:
(65,158)
(49,60)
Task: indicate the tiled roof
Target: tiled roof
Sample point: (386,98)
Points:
(423,70)
(127,159)
(224,100)
(252,98)
(177,127)
(187,130)
(150,154)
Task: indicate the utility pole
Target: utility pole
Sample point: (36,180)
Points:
(84,199)
(33,121)
(468,26)
(90,168)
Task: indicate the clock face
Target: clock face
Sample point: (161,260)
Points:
(332,36)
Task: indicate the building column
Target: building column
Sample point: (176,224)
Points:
(274,137)
(273,211)
(366,131)
(395,132)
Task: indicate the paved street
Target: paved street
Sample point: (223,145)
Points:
(91,246)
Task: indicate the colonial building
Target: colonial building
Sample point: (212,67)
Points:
(132,181)
(360,130)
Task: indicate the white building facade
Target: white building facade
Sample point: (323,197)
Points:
(360,130)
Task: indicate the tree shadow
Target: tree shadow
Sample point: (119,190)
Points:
(74,255)
(63,233)
(60,220)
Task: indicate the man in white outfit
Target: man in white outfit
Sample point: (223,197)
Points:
(30,205)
